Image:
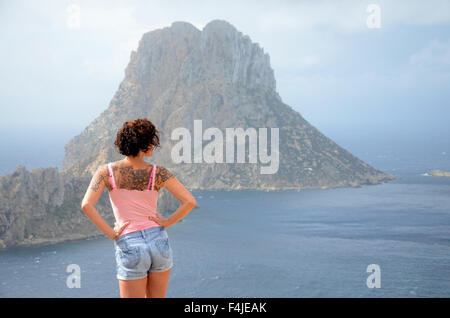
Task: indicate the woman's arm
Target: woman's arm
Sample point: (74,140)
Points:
(167,180)
(93,193)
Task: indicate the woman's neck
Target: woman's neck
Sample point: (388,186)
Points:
(135,161)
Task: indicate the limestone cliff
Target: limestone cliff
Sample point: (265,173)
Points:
(218,75)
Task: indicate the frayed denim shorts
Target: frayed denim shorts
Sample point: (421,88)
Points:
(141,252)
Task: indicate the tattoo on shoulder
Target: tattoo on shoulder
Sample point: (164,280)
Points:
(100,175)
(162,175)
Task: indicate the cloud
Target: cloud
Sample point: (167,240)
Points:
(435,55)
(416,12)
(317,49)
(347,16)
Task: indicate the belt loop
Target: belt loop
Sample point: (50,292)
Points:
(143,233)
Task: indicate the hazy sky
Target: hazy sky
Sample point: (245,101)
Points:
(341,75)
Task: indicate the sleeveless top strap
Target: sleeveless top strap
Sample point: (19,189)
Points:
(111,176)
(153,177)
(150,180)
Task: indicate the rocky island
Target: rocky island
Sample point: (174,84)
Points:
(439,173)
(179,74)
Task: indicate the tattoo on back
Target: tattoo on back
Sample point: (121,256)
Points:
(126,177)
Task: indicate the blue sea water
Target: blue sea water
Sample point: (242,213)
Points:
(310,243)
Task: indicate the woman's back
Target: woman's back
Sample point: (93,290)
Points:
(133,193)
(136,178)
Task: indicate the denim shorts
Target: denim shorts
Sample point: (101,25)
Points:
(140,252)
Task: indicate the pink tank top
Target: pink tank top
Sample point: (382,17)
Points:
(134,205)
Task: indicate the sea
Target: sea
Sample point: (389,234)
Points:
(385,240)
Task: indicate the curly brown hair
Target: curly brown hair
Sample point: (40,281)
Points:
(139,134)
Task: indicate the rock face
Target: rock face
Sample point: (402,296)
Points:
(177,75)
(180,74)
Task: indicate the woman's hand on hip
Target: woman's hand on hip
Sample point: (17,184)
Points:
(118,229)
(159,219)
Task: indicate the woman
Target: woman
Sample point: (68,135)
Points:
(143,253)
